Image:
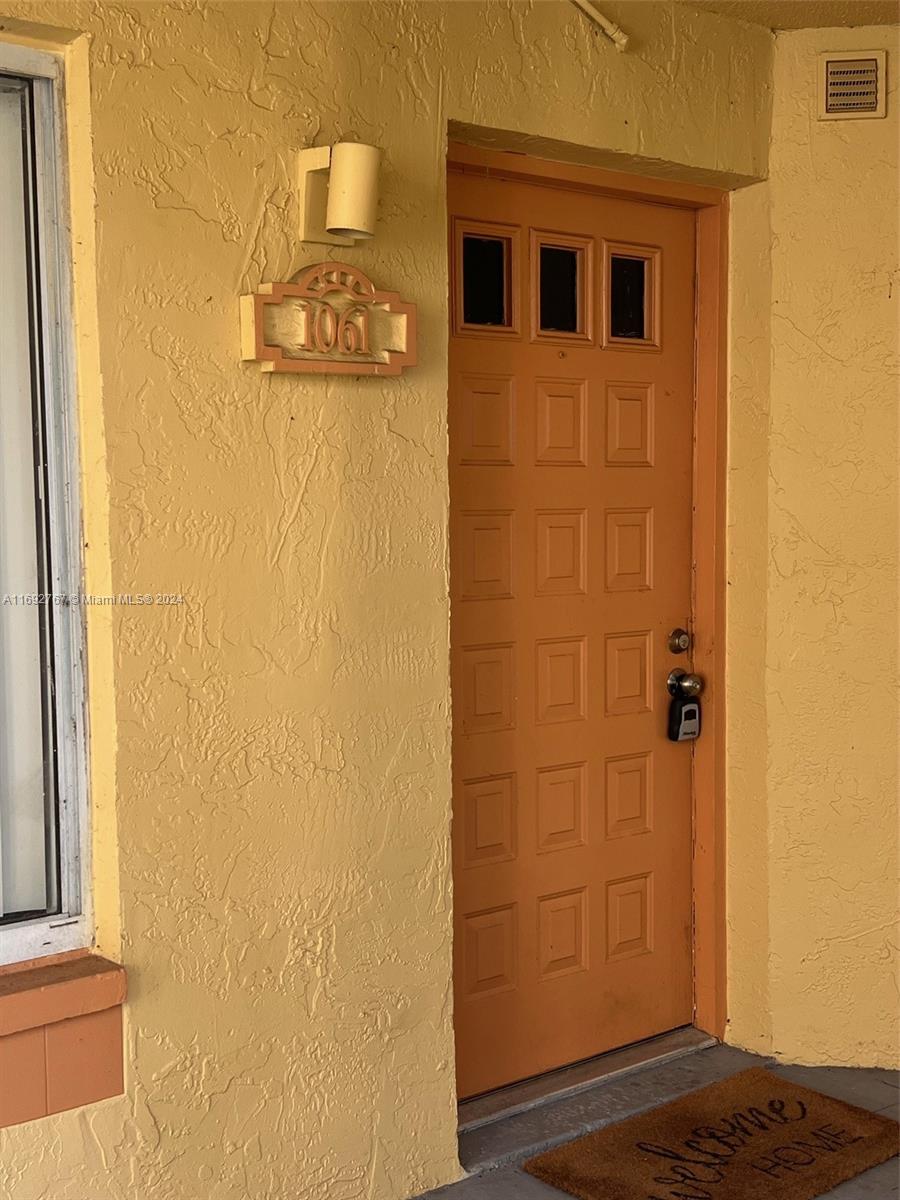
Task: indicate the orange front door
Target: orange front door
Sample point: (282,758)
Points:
(571,389)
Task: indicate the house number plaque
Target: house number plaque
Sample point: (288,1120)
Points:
(330,320)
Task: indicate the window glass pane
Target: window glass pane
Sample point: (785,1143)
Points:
(485,273)
(627,287)
(28,869)
(559,289)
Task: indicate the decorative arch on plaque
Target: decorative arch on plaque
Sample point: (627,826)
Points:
(330,319)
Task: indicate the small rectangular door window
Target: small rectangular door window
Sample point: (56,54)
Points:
(632,295)
(561,287)
(627,297)
(485,272)
(486,281)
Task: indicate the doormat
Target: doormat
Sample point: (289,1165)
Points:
(751,1136)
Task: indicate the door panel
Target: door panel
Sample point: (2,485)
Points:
(570,475)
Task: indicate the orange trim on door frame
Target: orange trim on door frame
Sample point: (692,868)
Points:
(710,384)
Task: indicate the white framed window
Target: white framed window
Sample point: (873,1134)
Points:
(44,897)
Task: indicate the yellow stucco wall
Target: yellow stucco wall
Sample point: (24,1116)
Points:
(282,788)
(282,794)
(813,595)
(283,756)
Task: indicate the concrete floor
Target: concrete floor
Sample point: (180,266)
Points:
(493,1152)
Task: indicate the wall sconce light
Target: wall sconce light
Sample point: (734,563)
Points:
(338,193)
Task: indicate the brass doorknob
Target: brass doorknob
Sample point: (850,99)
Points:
(684,683)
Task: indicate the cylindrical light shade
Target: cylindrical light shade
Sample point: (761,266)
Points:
(352,190)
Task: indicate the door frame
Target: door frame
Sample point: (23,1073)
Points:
(708,535)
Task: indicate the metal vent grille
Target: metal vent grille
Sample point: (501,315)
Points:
(852,85)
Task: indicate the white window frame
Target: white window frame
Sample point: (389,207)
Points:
(72,927)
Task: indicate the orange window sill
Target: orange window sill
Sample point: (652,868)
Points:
(60,1035)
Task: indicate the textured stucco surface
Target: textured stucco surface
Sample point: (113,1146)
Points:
(804,14)
(813,514)
(283,756)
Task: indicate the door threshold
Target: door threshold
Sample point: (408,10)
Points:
(569,1081)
